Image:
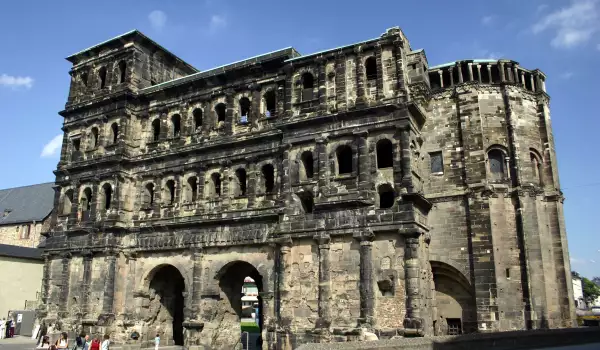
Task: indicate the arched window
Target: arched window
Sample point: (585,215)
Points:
(102,77)
(244,109)
(385,154)
(268,173)
(536,168)
(176,125)
(192,189)
(306,171)
(216,184)
(122,71)
(386,196)
(240,176)
(94,138)
(148,199)
(371,68)
(170,191)
(307,201)
(344,160)
(270,103)
(308,84)
(85,204)
(67,202)
(496,161)
(156,129)
(107,196)
(84,78)
(197,114)
(221,111)
(114,133)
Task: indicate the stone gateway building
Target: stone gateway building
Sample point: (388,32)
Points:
(359,187)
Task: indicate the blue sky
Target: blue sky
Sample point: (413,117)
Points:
(559,37)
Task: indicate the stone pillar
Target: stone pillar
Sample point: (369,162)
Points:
(451,71)
(380,71)
(515,74)
(532,82)
(322,84)
(502,75)
(85,284)
(64,283)
(130,283)
(285,246)
(324,320)
(109,285)
(412,321)
(406,166)
(441,78)
(523,79)
(489,69)
(196,294)
(367,297)
(479,73)
(460,75)
(322,164)
(362,166)
(46,280)
(360,76)
(471,72)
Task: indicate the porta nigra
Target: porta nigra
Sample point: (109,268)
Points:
(360,187)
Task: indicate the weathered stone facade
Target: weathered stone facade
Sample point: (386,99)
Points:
(358,187)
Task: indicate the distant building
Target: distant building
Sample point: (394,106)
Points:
(249,300)
(25,214)
(24,223)
(578,293)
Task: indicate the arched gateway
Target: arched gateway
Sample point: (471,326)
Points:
(164,312)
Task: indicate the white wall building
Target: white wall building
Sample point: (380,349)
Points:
(578,293)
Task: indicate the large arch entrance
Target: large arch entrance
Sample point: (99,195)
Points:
(165,314)
(241,283)
(456,309)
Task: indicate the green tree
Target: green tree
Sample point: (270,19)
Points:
(591,291)
(575,274)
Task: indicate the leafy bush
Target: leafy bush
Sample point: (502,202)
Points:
(250,327)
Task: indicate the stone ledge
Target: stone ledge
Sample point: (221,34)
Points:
(497,341)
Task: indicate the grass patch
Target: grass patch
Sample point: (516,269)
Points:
(249,327)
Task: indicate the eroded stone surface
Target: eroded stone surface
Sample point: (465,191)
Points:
(321,189)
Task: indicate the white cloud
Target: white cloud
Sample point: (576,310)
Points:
(158,19)
(487,20)
(16,82)
(541,8)
(489,55)
(53,147)
(566,75)
(217,22)
(573,25)
(577,261)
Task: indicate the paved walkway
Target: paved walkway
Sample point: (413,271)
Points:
(17,343)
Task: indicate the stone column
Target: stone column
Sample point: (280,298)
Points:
(412,321)
(130,284)
(440,72)
(196,295)
(502,75)
(460,75)
(367,297)
(109,288)
(360,76)
(532,82)
(515,74)
(324,320)
(285,246)
(85,284)
(362,167)
(489,69)
(406,166)
(451,71)
(471,72)
(64,283)
(523,79)
(479,73)
(46,279)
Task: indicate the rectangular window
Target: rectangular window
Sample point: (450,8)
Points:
(454,326)
(25,230)
(437,163)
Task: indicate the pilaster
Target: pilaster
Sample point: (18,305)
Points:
(367,297)
(324,320)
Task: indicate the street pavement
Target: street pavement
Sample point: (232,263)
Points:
(26,343)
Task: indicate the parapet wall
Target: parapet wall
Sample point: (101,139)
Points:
(485,72)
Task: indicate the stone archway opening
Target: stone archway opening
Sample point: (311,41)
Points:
(456,309)
(165,315)
(242,284)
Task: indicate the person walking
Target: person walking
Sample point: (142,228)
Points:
(156,341)
(43,332)
(87,342)
(106,342)
(2,328)
(95,345)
